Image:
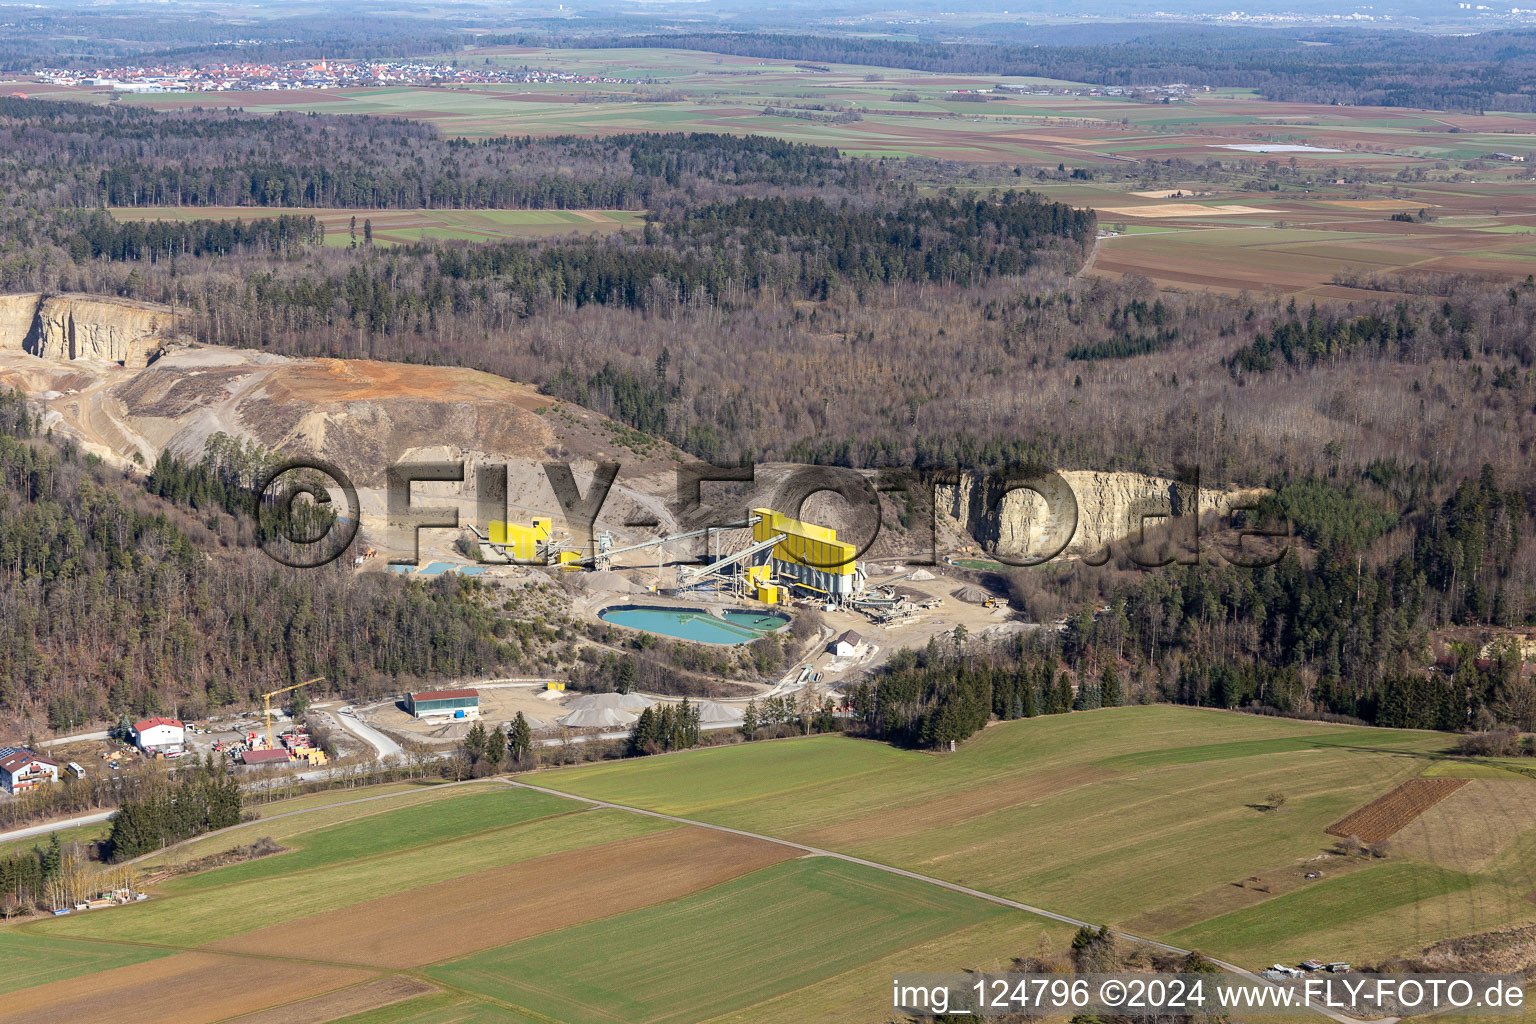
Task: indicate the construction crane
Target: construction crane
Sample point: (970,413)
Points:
(267,699)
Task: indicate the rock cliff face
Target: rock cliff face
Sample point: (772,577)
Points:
(1085,512)
(68,327)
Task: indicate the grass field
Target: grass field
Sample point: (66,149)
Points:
(781,928)
(27,960)
(395,227)
(456,905)
(1164,805)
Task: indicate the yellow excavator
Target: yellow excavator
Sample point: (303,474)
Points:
(267,700)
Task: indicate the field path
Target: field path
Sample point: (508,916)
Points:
(952,886)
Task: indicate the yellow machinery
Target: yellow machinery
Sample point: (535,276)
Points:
(521,542)
(768,595)
(556,685)
(267,700)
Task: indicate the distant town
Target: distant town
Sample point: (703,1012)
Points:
(321,74)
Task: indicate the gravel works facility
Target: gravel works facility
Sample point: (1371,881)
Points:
(444,704)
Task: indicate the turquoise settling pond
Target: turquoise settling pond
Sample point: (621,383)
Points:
(736,627)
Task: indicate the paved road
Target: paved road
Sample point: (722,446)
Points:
(54,826)
(382,744)
(952,886)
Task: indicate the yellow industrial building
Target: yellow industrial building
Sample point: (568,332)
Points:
(522,543)
(810,555)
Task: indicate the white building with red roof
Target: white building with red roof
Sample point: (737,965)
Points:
(159,735)
(21,769)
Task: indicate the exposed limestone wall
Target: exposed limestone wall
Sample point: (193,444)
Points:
(1109,507)
(17,315)
(66,327)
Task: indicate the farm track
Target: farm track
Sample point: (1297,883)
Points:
(929,879)
(377,972)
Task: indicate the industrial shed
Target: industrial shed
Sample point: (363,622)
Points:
(444,704)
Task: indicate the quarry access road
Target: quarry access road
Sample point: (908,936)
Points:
(929,879)
(352,722)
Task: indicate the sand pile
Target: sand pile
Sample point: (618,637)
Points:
(598,718)
(711,713)
(609,702)
(970,595)
(607,581)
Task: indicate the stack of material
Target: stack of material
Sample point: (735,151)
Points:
(607,581)
(922,576)
(609,701)
(598,718)
(711,713)
(970,595)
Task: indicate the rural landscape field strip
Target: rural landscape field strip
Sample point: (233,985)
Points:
(276,823)
(346,1003)
(1384,817)
(349,226)
(1159,788)
(186,987)
(389,831)
(775,930)
(28,960)
(515,901)
(953,887)
(208,915)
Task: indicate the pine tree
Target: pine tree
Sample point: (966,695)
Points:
(749,720)
(495,748)
(1109,688)
(474,743)
(625,682)
(520,742)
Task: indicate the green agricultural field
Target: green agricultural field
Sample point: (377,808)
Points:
(27,960)
(347,227)
(279,820)
(738,944)
(1166,808)
(210,913)
(389,831)
(1159,820)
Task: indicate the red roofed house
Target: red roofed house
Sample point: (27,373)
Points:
(21,769)
(159,735)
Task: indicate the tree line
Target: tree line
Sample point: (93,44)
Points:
(202,798)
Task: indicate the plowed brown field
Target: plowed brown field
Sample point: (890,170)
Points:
(501,905)
(188,988)
(1383,817)
(370,995)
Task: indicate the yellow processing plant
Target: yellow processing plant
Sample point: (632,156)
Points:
(809,555)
